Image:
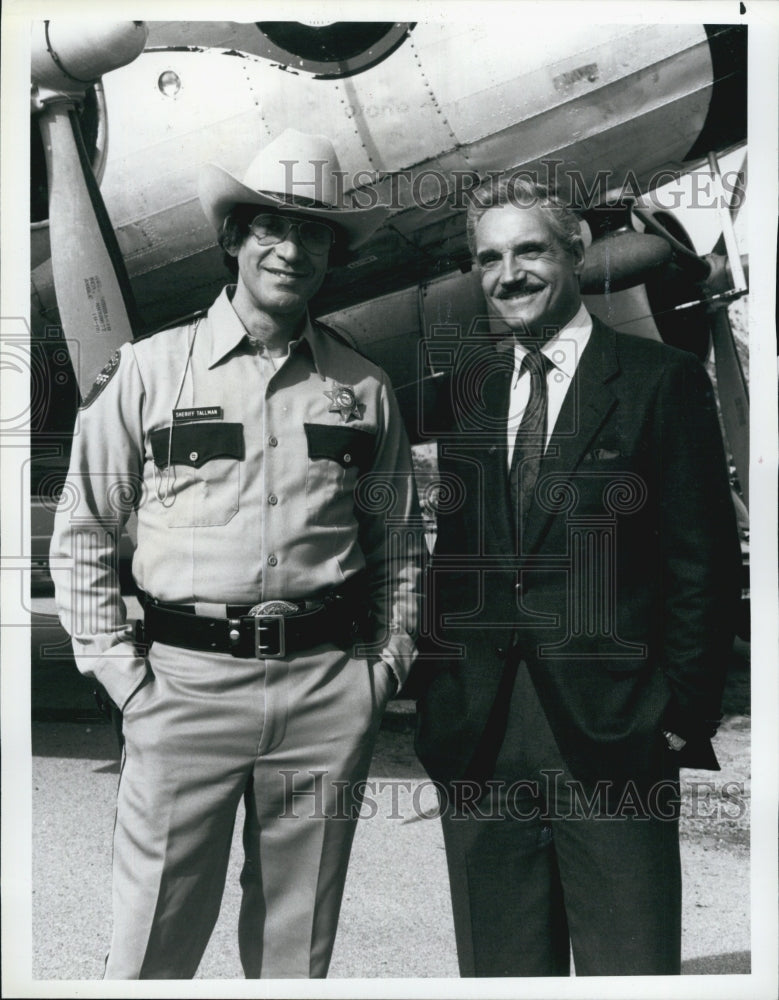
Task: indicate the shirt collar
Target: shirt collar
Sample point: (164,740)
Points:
(564,349)
(227,331)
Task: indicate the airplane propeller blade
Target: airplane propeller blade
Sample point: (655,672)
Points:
(733,395)
(740,189)
(727,243)
(93,293)
(95,302)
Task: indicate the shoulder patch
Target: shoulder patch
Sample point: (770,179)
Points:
(102,380)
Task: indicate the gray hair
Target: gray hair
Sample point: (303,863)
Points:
(522,191)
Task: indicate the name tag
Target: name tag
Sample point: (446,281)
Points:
(199,413)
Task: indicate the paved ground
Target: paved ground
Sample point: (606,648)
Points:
(396,920)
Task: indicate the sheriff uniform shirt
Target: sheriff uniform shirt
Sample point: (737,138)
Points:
(253,478)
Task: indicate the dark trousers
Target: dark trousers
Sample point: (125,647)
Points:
(540,866)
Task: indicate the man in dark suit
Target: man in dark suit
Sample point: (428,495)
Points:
(581,600)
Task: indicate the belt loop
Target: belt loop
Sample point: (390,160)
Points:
(142,639)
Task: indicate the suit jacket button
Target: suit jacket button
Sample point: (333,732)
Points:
(500,651)
(518,587)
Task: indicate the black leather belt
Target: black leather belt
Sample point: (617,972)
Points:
(269,630)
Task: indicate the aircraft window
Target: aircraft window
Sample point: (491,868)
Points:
(169,83)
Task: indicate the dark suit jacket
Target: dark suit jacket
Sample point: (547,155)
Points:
(620,588)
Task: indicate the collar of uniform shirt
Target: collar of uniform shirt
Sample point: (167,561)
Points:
(227,331)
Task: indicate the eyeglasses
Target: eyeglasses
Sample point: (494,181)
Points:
(315,237)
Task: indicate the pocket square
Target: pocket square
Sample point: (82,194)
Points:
(602,455)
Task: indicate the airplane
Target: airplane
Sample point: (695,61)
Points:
(125,113)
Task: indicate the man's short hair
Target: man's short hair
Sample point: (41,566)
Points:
(522,191)
(235,229)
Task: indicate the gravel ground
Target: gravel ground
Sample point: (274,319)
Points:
(396,918)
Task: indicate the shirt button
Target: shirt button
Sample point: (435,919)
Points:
(273,499)
(193,456)
(272,560)
(272,441)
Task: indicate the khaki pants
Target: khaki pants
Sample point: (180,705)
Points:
(292,737)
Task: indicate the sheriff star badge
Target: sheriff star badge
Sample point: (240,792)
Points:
(345,402)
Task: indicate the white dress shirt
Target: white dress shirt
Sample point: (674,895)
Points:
(564,351)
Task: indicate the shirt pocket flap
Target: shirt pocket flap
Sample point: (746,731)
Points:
(195,444)
(346,445)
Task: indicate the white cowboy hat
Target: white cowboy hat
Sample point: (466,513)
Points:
(306,164)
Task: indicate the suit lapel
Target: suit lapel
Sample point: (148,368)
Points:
(586,406)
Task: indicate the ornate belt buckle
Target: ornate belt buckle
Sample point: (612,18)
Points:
(269,636)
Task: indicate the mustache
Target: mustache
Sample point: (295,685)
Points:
(509,290)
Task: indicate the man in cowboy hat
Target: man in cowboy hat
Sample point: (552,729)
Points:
(279,609)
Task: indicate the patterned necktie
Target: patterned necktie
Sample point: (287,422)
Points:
(531,435)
